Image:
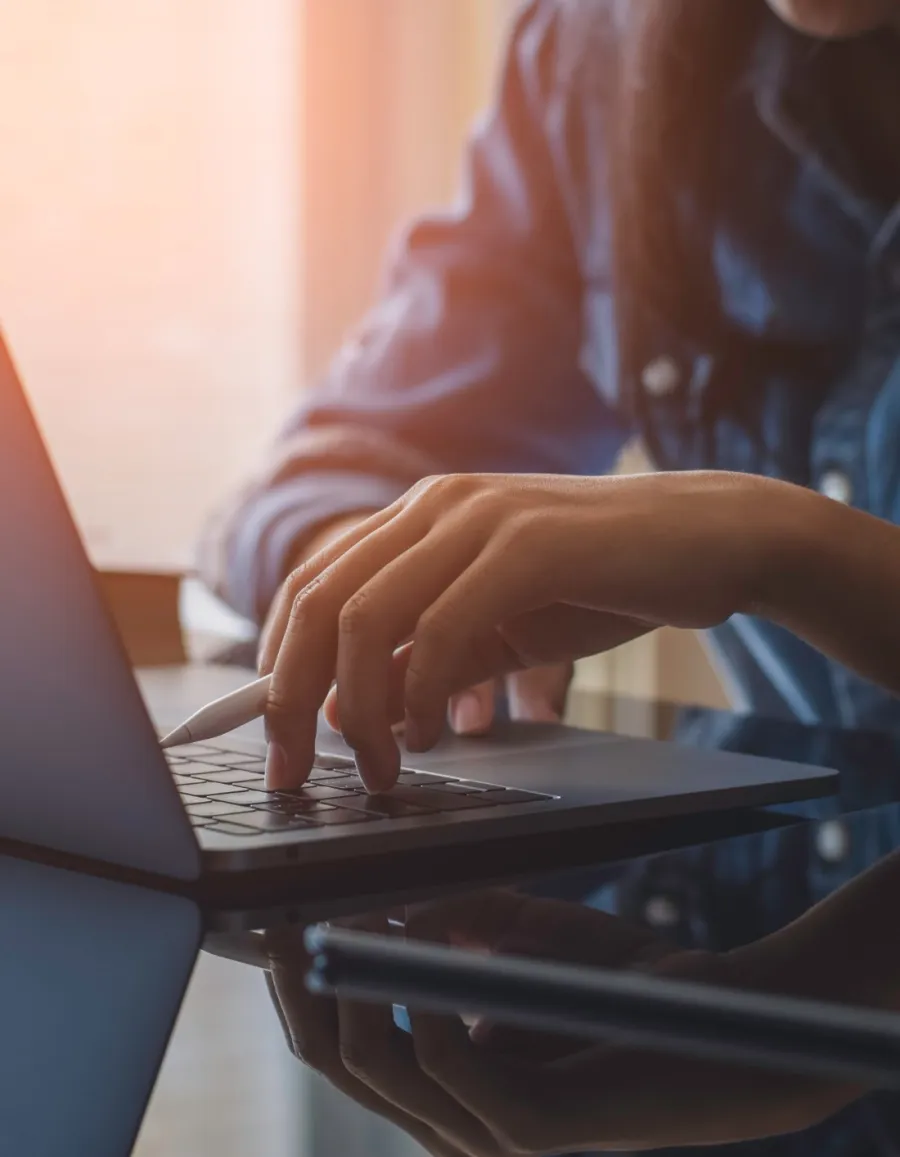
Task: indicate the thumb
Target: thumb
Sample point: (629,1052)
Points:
(538,694)
(472,712)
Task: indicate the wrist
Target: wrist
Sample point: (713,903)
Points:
(798,529)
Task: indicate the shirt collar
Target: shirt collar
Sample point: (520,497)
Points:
(787,78)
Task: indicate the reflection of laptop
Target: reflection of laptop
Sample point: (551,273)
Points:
(82,771)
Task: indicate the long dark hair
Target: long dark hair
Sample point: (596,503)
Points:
(679,61)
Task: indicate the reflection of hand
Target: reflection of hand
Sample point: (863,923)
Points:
(492,1092)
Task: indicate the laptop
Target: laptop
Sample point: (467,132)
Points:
(82,773)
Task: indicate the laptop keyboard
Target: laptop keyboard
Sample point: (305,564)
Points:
(224,791)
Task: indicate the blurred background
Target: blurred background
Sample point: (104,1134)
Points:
(197,196)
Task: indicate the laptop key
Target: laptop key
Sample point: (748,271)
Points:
(231,759)
(451,786)
(326,775)
(315,791)
(265,821)
(198,767)
(332,762)
(435,800)
(226,775)
(420,779)
(190,750)
(297,807)
(345,783)
(390,806)
(203,789)
(227,828)
(247,797)
(335,816)
(213,807)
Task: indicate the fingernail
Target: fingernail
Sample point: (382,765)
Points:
(276,767)
(468,715)
(374,779)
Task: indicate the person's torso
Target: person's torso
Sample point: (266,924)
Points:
(801,378)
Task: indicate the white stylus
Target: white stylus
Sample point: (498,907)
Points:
(222,715)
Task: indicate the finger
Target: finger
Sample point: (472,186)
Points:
(277,621)
(306,662)
(538,694)
(373,623)
(504,1090)
(472,711)
(279,1011)
(310,1024)
(330,711)
(381,1056)
(499,584)
(490,600)
(507,1099)
(539,637)
(395,694)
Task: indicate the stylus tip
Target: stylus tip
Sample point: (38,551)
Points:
(176,738)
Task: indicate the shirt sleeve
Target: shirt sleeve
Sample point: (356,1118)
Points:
(469,362)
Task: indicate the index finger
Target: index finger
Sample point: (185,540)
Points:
(305,664)
(304,574)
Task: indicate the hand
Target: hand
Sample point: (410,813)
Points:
(469,578)
(485,1091)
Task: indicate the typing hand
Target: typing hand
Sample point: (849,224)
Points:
(472,578)
(480,1090)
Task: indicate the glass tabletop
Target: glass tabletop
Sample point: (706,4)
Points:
(111,990)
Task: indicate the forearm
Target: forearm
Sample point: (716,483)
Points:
(832,576)
(845,949)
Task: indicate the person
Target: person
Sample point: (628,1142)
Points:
(681,223)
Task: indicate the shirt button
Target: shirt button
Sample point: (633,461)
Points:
(662,912)
(661,377)
(836,485)
(833,841)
